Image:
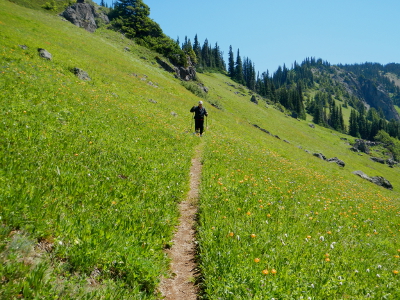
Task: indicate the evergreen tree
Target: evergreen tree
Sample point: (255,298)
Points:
(217,57)
(317,116)
(341,120)
(205,54)
(197,50)
(135,19)
(239,69)
(102,3)
(353,124)
(231,63)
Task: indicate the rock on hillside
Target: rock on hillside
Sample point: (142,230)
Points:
(84,15)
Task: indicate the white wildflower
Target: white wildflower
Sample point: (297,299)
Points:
(321,238)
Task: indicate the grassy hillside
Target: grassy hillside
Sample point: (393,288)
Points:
(91,172)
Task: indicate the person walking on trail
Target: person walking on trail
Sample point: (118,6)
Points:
(199,113)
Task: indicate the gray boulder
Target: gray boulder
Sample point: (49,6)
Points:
(84,15)
(45,54)
(378,180)
(391,162)
(81,74)
(361,174)
(337,160)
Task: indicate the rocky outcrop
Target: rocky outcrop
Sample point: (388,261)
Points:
(378,180)
(84,15)
(186,74)
(360,146)
(377,98)
(336,160)
(320,156)
(391,162)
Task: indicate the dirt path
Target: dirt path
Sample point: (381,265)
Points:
(183,266)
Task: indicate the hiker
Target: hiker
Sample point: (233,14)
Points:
(199,113)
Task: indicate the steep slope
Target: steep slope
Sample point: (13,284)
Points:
(92,172)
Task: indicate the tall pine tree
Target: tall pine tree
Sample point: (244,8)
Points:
(239,69)
(231,63)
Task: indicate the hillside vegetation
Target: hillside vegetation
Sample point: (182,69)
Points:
(91,173)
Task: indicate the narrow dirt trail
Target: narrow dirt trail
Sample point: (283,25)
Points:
(183,266)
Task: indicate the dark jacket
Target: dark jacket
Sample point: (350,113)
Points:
(199,113)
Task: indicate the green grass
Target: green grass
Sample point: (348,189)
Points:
(91,174)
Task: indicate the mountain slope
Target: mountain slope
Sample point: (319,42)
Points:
(92,171)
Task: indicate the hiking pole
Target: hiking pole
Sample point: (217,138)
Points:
(191,122)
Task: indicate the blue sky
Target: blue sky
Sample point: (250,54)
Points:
(272,33)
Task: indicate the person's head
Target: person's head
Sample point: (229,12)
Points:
(200,103)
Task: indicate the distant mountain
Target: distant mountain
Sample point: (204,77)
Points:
(370,83)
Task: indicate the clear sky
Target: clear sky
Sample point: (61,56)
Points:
(272,33)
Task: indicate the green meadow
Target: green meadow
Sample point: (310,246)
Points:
(91,173)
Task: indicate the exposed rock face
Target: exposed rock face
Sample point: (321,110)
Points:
(45,54)
(83,15)
(377,98)
(372,94)
(378,180)
(186,74)
(360,146)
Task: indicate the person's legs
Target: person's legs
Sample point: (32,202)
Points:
(201,126)
(197,125)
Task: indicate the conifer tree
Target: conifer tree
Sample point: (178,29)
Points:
(197,50)
(135,19)
(231,63)
(353,124)
(239,69)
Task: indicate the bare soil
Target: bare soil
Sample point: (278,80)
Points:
(183,268)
